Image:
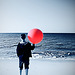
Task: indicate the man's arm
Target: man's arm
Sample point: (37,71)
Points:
(31,47)
(17,50)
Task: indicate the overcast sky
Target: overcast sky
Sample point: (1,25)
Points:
(52,16)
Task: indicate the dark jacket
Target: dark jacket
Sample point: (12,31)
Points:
(25,50)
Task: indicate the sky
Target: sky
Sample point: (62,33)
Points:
(50,16)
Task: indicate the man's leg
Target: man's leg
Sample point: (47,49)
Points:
(21,63)
(26,68)
(20,72)
(21,67)
(26,65)
(26,71)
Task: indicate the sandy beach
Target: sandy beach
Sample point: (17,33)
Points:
(39,67)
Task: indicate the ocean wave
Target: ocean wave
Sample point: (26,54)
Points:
(61,48)
(7,46)
(54,54)
(37,56)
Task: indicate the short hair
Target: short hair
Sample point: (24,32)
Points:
(23,36)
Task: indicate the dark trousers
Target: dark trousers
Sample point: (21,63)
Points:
(24,61)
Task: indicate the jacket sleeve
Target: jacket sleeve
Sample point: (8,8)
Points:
(17,50)
(32,47)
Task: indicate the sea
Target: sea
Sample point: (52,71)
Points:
(53,46)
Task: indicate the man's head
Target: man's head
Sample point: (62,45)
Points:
(23,36)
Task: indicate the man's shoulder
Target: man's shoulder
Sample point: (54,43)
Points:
(28,43)
(24,43)
(19,43)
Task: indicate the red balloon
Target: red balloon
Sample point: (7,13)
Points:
(35,36)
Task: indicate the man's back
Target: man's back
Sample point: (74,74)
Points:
(24,49)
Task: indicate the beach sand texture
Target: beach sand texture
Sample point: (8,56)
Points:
(38,67)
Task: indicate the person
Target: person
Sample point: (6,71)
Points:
(24,52)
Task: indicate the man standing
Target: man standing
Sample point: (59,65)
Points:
(24,52)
